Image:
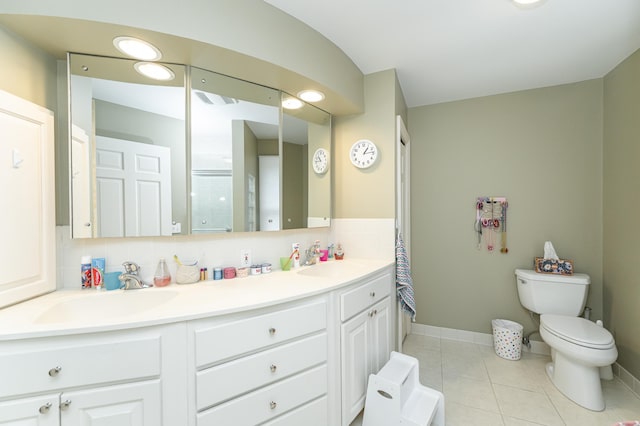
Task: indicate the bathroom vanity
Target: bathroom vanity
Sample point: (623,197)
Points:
(285,348)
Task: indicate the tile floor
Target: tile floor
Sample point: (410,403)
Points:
(481,388)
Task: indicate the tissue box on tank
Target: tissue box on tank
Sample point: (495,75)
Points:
(553,266)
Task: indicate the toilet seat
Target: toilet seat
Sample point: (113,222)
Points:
(578,331)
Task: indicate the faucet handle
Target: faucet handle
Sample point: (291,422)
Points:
(131,268)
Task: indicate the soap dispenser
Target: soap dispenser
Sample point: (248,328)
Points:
(162,277)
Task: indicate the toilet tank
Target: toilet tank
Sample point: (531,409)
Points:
(551,293)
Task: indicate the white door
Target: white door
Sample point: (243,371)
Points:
(269,192)
(37,411)
(80,183)
(356,358)
(133,188)
(27,191)
(132,404)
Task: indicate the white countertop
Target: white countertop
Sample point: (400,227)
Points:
(81,311)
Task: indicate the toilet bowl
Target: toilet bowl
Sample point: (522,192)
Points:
(579,348)
(581,351)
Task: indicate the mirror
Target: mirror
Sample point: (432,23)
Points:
(233,123)
(128,149)
(305,191)
(246,165)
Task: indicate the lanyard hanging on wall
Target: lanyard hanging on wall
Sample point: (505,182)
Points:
(491,219)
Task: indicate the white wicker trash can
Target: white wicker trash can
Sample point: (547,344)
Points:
(507,339)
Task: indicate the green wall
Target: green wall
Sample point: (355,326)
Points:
(542,149)
(621,209)
(30,74)
(367,193)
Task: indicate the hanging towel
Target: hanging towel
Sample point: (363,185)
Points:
(404,284)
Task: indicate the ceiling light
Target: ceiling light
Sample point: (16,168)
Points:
(311,95)
(154,71)
(527,3)
(291,103)
(137,48)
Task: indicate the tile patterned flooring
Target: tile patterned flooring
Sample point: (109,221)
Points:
(481,388)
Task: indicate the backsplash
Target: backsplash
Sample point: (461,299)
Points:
(371,238)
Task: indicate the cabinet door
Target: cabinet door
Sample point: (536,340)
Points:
(132,404)
(38,411)
(356,358)
(380,335)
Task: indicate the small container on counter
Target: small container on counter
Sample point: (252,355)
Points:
(256,269)
(162,277)
(265,268)
(242,272)
(217,273)
(85,271)
(229,273)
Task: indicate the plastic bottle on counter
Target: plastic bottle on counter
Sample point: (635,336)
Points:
(85,271)
(162,277)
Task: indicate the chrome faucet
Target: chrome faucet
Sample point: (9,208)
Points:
(312,254)
(130,278)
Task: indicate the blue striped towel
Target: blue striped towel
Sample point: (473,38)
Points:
(404,283)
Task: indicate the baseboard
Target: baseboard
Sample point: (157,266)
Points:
(485,339)
(627,378)
(537,347)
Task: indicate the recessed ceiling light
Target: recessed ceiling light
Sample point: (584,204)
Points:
(311,95)
(291,103)
(154,70)
(137,48)
(528,3)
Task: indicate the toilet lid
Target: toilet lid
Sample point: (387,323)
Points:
(577,330)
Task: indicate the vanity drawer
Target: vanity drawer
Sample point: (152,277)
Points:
(361,297)
(26,369)
(231,379)
(314,413)
(267,403)
(223,341)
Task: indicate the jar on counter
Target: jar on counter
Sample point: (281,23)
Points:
(162,277)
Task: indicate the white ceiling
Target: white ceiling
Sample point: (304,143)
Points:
(446,50)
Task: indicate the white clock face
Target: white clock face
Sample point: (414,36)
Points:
(363,153)
(320,161)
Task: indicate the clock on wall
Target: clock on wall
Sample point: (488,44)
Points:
(363,153)
(320,161)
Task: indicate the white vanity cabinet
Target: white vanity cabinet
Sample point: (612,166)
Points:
(94,379)
(366,339)
(266,366)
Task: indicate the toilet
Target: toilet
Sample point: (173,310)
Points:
(581,351)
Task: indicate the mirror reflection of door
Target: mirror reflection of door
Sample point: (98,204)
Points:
(269,192)
(81,183)
(133,188)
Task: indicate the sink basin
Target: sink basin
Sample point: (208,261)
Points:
(104,305)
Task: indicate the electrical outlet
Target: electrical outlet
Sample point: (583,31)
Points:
(245,257)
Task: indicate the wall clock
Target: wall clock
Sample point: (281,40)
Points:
(363,153)
(320,161)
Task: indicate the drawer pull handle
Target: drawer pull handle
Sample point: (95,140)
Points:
(372,294)
(273,405)
(54,371)
(45,408)
(373,313)
(273,368)
(65,404)
(272,331)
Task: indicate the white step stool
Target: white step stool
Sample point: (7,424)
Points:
(396,397)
